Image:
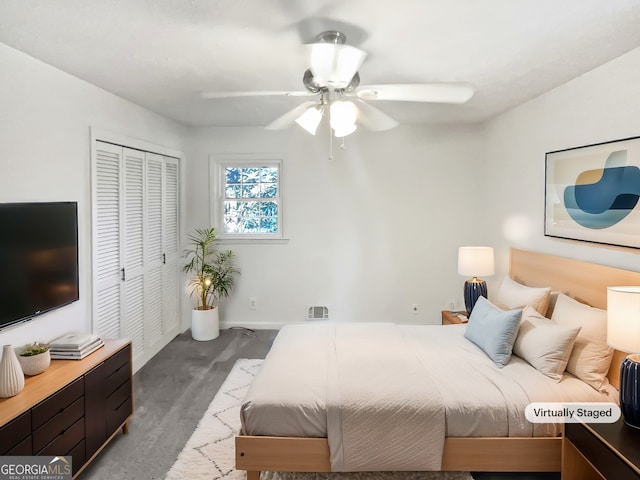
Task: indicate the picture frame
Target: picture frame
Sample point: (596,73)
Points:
(592,193)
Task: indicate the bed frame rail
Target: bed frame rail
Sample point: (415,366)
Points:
(494,454)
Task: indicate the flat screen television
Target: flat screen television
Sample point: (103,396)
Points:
(38,259)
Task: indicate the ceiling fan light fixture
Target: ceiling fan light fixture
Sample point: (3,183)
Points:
(344,130)
(310,119)
(343,115)
(334,65)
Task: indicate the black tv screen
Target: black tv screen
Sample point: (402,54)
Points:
(38,259)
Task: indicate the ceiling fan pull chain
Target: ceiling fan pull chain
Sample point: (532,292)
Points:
(330,144)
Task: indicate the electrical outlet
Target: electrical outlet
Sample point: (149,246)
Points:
(252,303)
(414,309)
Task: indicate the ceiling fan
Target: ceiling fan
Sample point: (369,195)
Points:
(334,79)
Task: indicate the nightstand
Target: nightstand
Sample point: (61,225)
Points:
(598,451)
(452,318)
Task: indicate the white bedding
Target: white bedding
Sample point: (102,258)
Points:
(298,391)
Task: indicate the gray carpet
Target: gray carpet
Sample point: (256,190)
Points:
(172,393)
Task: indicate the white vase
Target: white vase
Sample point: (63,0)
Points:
(205,324)
(11,376)
(35,364)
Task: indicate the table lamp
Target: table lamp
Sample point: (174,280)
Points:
(623,333)
(473,262)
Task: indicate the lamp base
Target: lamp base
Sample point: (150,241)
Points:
(473,289)
(630,390)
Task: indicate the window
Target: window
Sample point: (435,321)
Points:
(250,198)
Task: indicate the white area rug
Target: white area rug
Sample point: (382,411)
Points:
(210,452)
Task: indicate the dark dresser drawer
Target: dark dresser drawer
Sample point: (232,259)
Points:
(117,417)
(58,424)
(117,370)
(119,406)
(78,455)
(24,448)
(65,441)
(57,403)
(15,432)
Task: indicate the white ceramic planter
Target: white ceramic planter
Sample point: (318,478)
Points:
(35,364)
(205,324)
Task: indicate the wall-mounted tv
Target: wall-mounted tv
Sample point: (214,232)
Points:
(38,259)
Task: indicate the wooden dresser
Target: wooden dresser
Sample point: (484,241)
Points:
(74,408)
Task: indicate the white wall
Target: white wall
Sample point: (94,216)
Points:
(371,232)
(45,119)
(599,106)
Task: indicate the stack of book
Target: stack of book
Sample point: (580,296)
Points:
(74,346)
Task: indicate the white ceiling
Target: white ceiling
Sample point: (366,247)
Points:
(161,54)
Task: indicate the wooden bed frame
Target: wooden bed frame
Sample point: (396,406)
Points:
(586,282)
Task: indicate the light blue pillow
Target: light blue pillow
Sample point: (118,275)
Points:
(493,330)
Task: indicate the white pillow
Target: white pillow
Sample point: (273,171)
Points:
(515,295)
(544,344)
(591,356)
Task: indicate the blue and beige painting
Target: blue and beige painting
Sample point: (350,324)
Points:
(603,197)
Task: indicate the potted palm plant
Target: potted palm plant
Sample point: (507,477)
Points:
(212,276)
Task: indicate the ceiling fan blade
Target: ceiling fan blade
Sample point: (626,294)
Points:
(374,119)
(418,92)
(257,93)
(290,117)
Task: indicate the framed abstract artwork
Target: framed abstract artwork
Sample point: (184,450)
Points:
(592,192)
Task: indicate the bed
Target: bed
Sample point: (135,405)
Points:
(299,441)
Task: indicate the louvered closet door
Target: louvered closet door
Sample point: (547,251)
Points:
(136,248)
(171,249)
(153,253)
(106,190)
(133,325)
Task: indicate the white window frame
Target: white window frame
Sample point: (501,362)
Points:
(217,183)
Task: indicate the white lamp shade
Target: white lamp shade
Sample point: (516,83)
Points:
(623,318)
(334,65)
(310,119)
(343,117)
(344,130)
(475,261)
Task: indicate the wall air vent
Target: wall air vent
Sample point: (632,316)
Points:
(317,312)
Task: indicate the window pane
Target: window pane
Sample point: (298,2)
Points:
(268,209)
(250,225)
(231,225)
(231,208)
(250,175)
(252,190)
(233,191)
(269,190)
(269,174)
(269,225)
(232,175)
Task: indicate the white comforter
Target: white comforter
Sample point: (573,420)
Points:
(385,395)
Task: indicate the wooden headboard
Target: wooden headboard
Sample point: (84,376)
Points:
(586,282)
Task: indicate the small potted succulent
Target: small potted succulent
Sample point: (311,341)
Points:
(35,358)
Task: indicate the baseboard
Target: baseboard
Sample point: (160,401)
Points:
(253,325)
